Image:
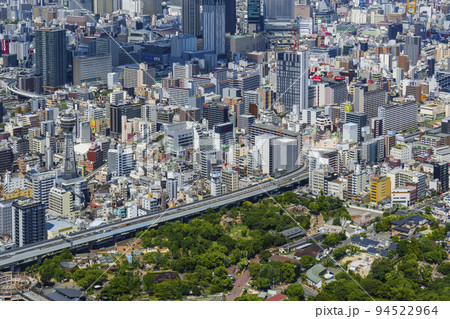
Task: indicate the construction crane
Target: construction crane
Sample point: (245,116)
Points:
(411,6)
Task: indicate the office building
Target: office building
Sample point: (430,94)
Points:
(223,135)
(358,118)
(350,132)
(380,189)
(285,155)
(28,222)
(209,160)
(230,13)
(413,47)
(275,9)
(215,114)
(102,7)
(91,69)
(254,16)
(138,76)
(152,7)
(292,79)
(440,172)
(115,116)
(214,26)
(445,128)
(51,56)
(191,17)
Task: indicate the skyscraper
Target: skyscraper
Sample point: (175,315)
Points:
(191,17)
(115,115)
(28,222)
(413,46)
(292,79)
(51,56)
(214,26)
(278,9)
(230,21)
(255,19)
(152,7)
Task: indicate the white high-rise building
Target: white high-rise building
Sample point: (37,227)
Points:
(113,80)
(121,161)
(41,184)
(350,132)
(216,184)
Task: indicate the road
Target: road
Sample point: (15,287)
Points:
(49,247)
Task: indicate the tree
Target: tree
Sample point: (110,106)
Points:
(168,290)
(66,255)
(427,209)
(149,281)
(254,269)
(295,292)
(46,271)
(288,272)
(249,297)
(307,261)
(444,268)
(264,255)
(261,283)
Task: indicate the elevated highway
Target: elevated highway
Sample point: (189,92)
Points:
(108,233)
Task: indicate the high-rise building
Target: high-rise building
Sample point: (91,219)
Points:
(51,56)
(6,217)
(350,132)
(106,6)
(380,189)
(292,79)
(230,21)
(445,128)
(255,18)
(172,188)
(376,126)
(115,116)
(60,202)
(274,9)
(152,7)
(399,117)
(6,159)
(191,17)
(41,185)
(121,161)
(214,26)
(28,222)
(87,69)
(358,118)
(230,180)
(441,173)
(367,102)
(215,115)
(285,155)
(413,47)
